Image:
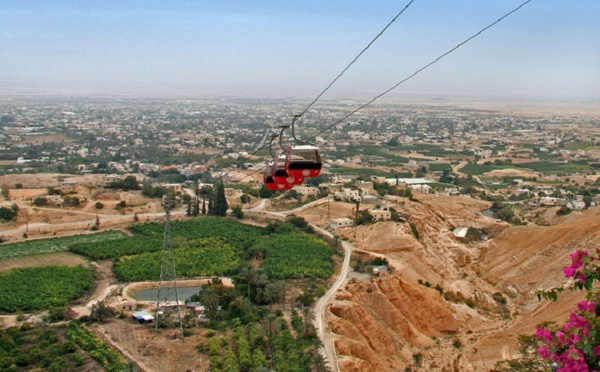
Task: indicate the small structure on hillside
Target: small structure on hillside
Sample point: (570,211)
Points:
(460,232)
(341,222)
(381,270)
(142,317)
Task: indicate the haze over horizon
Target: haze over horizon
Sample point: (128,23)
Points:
(546,51)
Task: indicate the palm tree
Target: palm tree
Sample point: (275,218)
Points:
(258,279)
(317,363)
(283,286)
(210,299)
(272,293)
(309,317)
(270,325)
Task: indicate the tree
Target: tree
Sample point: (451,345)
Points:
(147,190)
(40,201)
(237,212)
(421,172)
(272,293)
(220,201)
(446,178)
(7,214)
(130,183)
(99,205)
(100,312)
(210,299)
(245,199)
(264,193)
(393,142)
(309,317)
(52,191)
(587,199)
(505,214)
(5,191)
(189,211)
(363,218)
(71,201)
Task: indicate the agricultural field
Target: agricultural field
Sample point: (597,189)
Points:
(440,167)
(44,246)
(586,146)
(473,169)
(202,257)
(246,349)
(551,167)
(364,172)
(110,359)
(117,248)
(213,246)
(431,150)
(541,166)
(296,255)
(42,288)
(148,237)
(50,259)
(41,347)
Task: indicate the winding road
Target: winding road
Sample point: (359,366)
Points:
(321,305)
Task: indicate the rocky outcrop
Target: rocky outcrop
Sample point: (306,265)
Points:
(383,321)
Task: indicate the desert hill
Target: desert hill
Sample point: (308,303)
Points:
(487,289)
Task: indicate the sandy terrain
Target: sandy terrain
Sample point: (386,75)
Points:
(515,263)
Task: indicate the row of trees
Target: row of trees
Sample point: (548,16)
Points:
(217,202)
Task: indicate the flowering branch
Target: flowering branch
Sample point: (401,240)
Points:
(576,345)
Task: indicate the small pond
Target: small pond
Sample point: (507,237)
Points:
(489,213)
(149,294)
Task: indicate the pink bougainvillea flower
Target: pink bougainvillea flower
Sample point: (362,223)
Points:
(544,352)
(544,334)
(586,306)
(570,271)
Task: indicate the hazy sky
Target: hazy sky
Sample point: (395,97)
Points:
(550,49)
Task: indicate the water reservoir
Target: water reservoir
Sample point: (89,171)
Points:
(149,294)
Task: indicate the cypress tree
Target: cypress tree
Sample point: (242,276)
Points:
(211,205)
(220,203)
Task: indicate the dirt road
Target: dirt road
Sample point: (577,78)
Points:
(321,305)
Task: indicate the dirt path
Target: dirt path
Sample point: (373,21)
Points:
(457,167)
(320,308)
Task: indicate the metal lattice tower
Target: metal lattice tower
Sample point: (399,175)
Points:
(168,308)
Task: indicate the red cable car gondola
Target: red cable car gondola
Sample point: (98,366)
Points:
(302,162)
(281,178)
(268,177)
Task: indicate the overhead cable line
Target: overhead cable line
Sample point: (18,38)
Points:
(296,117)
(422,69)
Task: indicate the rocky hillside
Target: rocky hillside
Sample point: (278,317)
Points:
(486,289)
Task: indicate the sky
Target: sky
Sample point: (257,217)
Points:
(548,50)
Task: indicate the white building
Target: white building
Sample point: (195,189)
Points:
(382,213)
(307,190)
(341,222)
